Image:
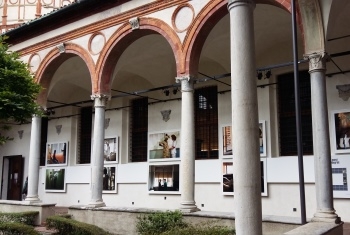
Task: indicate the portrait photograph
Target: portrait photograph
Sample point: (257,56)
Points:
(109,180)
(341,125)
(110,150)
(165,145)
(56,153)
(164,178)
(55,180)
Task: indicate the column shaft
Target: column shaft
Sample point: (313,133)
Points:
(322,152)
(34,161)
(97,152)
(245,121)
(187,165)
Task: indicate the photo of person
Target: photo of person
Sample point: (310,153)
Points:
(164,178)
(342,131)
(164,145)
(109,179)
(110,150)
(56,153)
(55,179)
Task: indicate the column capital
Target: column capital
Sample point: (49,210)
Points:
(100,99)
(317,61)
(235,3)
(187,82)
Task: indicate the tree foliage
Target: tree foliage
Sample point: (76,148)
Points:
(18,90)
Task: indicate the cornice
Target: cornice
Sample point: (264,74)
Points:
(100,25)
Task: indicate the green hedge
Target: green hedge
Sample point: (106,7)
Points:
(66,226)
(20,217)
(15,228)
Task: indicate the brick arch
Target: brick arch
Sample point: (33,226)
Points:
(124,37)
(53,60)
(204,22)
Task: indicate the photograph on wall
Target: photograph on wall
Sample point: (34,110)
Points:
(228,180)
(340,176)
(109,179)
(111,150)
(165,145)
(341,124)
(227,139)
(227,143)
(56,153)
(164,178)
(55,180)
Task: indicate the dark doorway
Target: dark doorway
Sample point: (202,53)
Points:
(12,177)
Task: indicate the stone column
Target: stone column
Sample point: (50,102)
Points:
(245,121)
(100,102)
(187,164)
(321,141)
(34,161)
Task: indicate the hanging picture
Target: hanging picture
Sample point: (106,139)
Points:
(55,180)
(111,150)
(109,179)
(164,145)
(164,178)
(341,125)
(227,139)
(228,180)
(56,153)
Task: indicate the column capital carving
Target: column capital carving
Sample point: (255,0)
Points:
(317,60)
(235,3)
(186,83)
(100,99)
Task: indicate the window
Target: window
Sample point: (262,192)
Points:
(138,129)
(206,123)
(43,140)
(286,108)
(85,129)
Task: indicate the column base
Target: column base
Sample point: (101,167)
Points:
(326,216)
(188,207)
(32,200)
(96,204)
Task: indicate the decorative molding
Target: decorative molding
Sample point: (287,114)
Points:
(100,100)
(61,48)
(107,120)
(186,83)
(344,91)
(101,25)
(91,43)
(166,115)
(317,60)
(20,134)
(134,22)
(58,129)
(177,10)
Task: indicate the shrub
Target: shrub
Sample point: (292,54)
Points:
(66,226)
(159,222)
(27,217)
(15,228)
(202,230)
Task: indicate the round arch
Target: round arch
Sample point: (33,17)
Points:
(216,9)
(53,60)
(121,39)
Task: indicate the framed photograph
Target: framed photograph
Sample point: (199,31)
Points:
(227,139)
(109,179)
(164,178)
(55,180)
(111,150)
(228,180)
(341,125)
(164,145)
(262,138)
(57,154)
